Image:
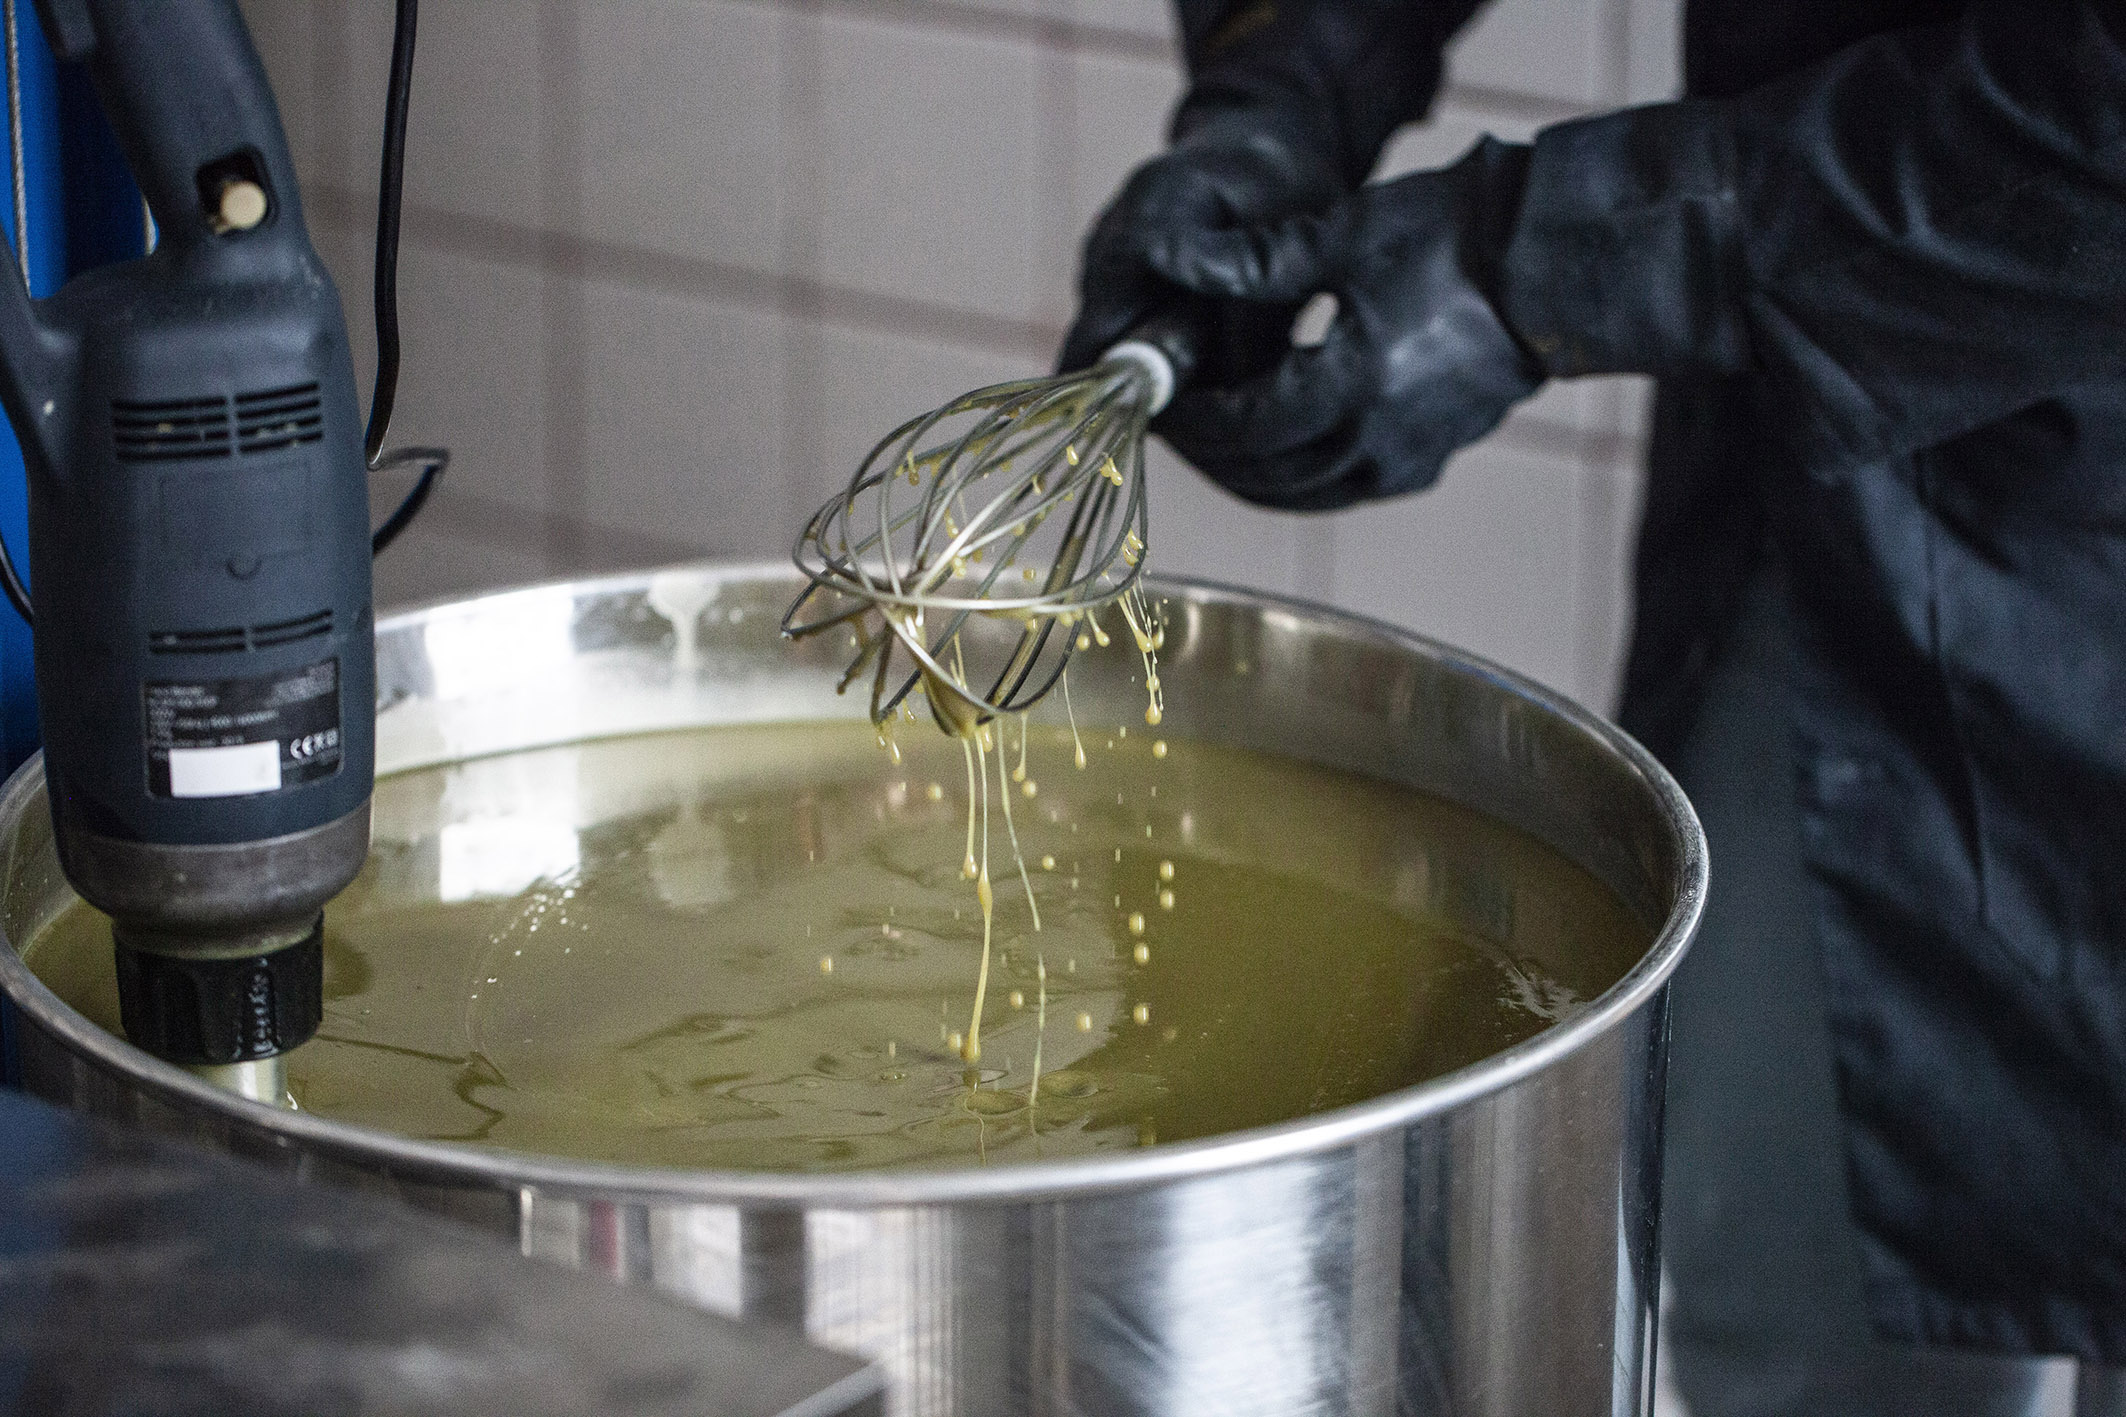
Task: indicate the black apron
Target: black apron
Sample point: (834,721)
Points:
(1959,682)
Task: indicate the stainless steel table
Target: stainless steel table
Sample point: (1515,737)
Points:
(144,1278)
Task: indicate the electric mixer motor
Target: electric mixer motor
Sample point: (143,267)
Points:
(200,548)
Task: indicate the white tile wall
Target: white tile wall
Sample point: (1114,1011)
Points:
(1201,530)
(1120,106)
(489,410)
(1611,497)
(674,264)
(683,399)
(875,380)
(287,41)
(1653,62)
(929,164)
(475,136)
(450,550)
(1564,50)
(1489,558)
(680,114)
(1151,19)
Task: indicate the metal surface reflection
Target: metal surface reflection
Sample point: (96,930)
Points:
(1482,1245)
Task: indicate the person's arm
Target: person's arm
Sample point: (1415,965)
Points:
(1919,236)
(1908,241)
(1346,72)
(1288,105)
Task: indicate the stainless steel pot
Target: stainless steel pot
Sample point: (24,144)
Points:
(1482,1244)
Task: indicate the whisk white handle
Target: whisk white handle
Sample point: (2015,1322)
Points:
(1154,362)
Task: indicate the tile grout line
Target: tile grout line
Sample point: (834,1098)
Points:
(1107,40)
(563,377)
(486,521)
(579,258)
(505,242)
(801,99)
(1077,37)
(1057,161)
(1616,51)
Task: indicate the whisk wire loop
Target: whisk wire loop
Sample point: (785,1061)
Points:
(1044,477)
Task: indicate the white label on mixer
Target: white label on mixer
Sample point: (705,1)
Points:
(235,771)
(239,736)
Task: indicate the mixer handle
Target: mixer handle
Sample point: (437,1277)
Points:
(188,99)
(190,104)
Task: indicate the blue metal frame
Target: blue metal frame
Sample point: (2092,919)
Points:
(83,211)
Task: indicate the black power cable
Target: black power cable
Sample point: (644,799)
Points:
(18,594)
(389,202)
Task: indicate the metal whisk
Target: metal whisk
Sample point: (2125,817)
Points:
(974,537)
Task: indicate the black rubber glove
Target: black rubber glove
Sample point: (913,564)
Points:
(1416,364)
(1287,109)
(1202,198)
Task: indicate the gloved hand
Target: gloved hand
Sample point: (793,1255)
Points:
(1288,105)
(1417,363)
(1204,195)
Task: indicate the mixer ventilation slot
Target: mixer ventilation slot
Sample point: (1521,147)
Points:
(236,639)
(170,430)
(287,632)
(279,418)
(175,429)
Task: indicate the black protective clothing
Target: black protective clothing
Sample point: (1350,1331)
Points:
(1767,1310)
(1878,260)
(1889,291)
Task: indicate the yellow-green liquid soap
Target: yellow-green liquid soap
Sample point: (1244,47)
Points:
(753,947)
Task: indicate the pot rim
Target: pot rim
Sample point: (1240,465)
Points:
(498,1168)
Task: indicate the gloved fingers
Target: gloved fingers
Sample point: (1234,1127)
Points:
(1315,479)
(1169,201)
(1367,458)
(1240,340)
(1297,403)
(1279,262)
(1105,318)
